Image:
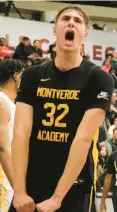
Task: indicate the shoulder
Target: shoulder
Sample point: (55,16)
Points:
(97,75)
(33,73)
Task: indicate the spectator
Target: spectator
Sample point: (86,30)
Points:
(28,63)
(102,167)
(111,143)
(115,61)
(113,108)
(24,50)
(36,49)
(110,183)
(112,127)
(110,58)
(106,67)
(5,51)
(52,51)
(102,160)
(103,130)
(113,73)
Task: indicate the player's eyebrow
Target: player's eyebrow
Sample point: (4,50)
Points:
(68,17)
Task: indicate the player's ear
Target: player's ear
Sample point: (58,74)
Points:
(85,35)
(54,31)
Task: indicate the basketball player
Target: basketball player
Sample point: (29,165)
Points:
(111,173)
(59,109)
(10,71)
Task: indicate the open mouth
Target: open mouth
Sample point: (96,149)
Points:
(69,36)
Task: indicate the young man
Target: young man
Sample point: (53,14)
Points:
(111,173)
(60,107)
(10,72)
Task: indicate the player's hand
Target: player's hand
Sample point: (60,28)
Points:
(49,205)
(103,206)
(23,203)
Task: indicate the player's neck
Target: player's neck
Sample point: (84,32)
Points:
(10,91)
(65,61)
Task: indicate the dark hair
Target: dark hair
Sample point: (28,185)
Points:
(25,39)
(35,40)
(107,55)
(2,38)
(111,69)
(77,9)
(114,129)
(8,68)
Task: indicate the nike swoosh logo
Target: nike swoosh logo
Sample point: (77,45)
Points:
(44,80)
(100,96)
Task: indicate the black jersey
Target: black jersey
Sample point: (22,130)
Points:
(112,167)
(60,100)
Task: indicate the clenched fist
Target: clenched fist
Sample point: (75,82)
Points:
(49,205)
(23,203)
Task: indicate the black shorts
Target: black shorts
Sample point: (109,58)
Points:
(83,202)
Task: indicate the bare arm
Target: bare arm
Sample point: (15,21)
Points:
(20,144)
(5,155)
(107,186)
(91,121)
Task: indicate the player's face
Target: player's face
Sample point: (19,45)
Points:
(70,30)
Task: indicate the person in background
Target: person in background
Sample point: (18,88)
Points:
(10,73)
(106,66)
(36,49)
(102,167)
(103,130)
(111,143)
(110,58)
(111,128)
(113,108)
(102,160)
(110,183)
(28,63)
(52,51)
(24,50)
(5,51)
(113,73)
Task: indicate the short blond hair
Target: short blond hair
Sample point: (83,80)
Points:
(79,10)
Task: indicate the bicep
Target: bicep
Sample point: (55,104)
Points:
(90,123)
(23,120)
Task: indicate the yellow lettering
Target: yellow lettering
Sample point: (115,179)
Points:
(67,94)
(58,94)
(76,95)
(57,136)
(66,137)
(62,137)
(39,91)
(47,136)
(52,136)
(62,95)
(54,91)
(39,135)
(43,137)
